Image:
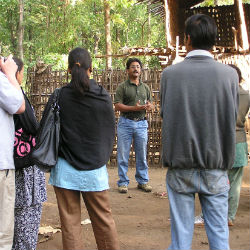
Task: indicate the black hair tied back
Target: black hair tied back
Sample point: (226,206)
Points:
(79,62)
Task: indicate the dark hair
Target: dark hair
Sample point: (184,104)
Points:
(202,30)
(131,60)
(79,62)
(237,70)
(19,63)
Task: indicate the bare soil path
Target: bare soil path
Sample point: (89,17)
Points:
(142,219)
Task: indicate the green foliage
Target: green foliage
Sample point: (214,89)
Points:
(53,27)
(58,61)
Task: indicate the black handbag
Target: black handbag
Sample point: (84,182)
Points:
(45,153)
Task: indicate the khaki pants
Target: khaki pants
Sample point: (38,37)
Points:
(97,204)
(7,202)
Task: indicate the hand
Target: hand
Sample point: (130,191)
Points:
(8,67)
(140,107)
(149,106)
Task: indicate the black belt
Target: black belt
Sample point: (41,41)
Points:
(136,119)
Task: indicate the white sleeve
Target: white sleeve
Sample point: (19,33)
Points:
(11,98)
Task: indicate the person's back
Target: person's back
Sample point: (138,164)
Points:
(203,94)
(199,107)
(87,133)
(87,125)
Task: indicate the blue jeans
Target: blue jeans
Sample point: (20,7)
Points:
(128,130)
(212,187)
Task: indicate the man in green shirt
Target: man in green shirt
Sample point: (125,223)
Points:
(133,99)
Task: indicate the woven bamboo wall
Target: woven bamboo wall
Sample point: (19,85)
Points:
(42,85)
(225,18)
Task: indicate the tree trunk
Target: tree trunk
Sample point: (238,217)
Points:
(149,29)
(126,36)
(30,47)
(215,2)
(171,21)
(167,24)
(118,35)
(241,25)
(97,38)
(142,32)
(12,28)
(30,37)
(107,34)
(20,30)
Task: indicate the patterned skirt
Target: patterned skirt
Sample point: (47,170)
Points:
(30,194)
(27,222)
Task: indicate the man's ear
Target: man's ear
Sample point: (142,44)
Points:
(69,71)
(188,43)
(188,40)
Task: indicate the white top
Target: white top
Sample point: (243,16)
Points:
(10,101)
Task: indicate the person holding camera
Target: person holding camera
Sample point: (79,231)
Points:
(11,102)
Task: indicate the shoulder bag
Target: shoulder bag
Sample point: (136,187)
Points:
(45,153)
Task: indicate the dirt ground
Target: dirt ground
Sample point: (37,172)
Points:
(142,219)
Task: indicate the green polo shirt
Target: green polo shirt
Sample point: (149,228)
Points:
(129,93)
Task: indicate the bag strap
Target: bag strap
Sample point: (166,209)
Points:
(55,103)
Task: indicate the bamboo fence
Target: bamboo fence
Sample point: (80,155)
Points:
(41,85)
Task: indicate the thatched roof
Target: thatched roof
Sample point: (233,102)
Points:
(156,7)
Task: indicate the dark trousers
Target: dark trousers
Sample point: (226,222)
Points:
(98,206)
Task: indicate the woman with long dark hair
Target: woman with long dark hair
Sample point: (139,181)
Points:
(87,136)
(29,180)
